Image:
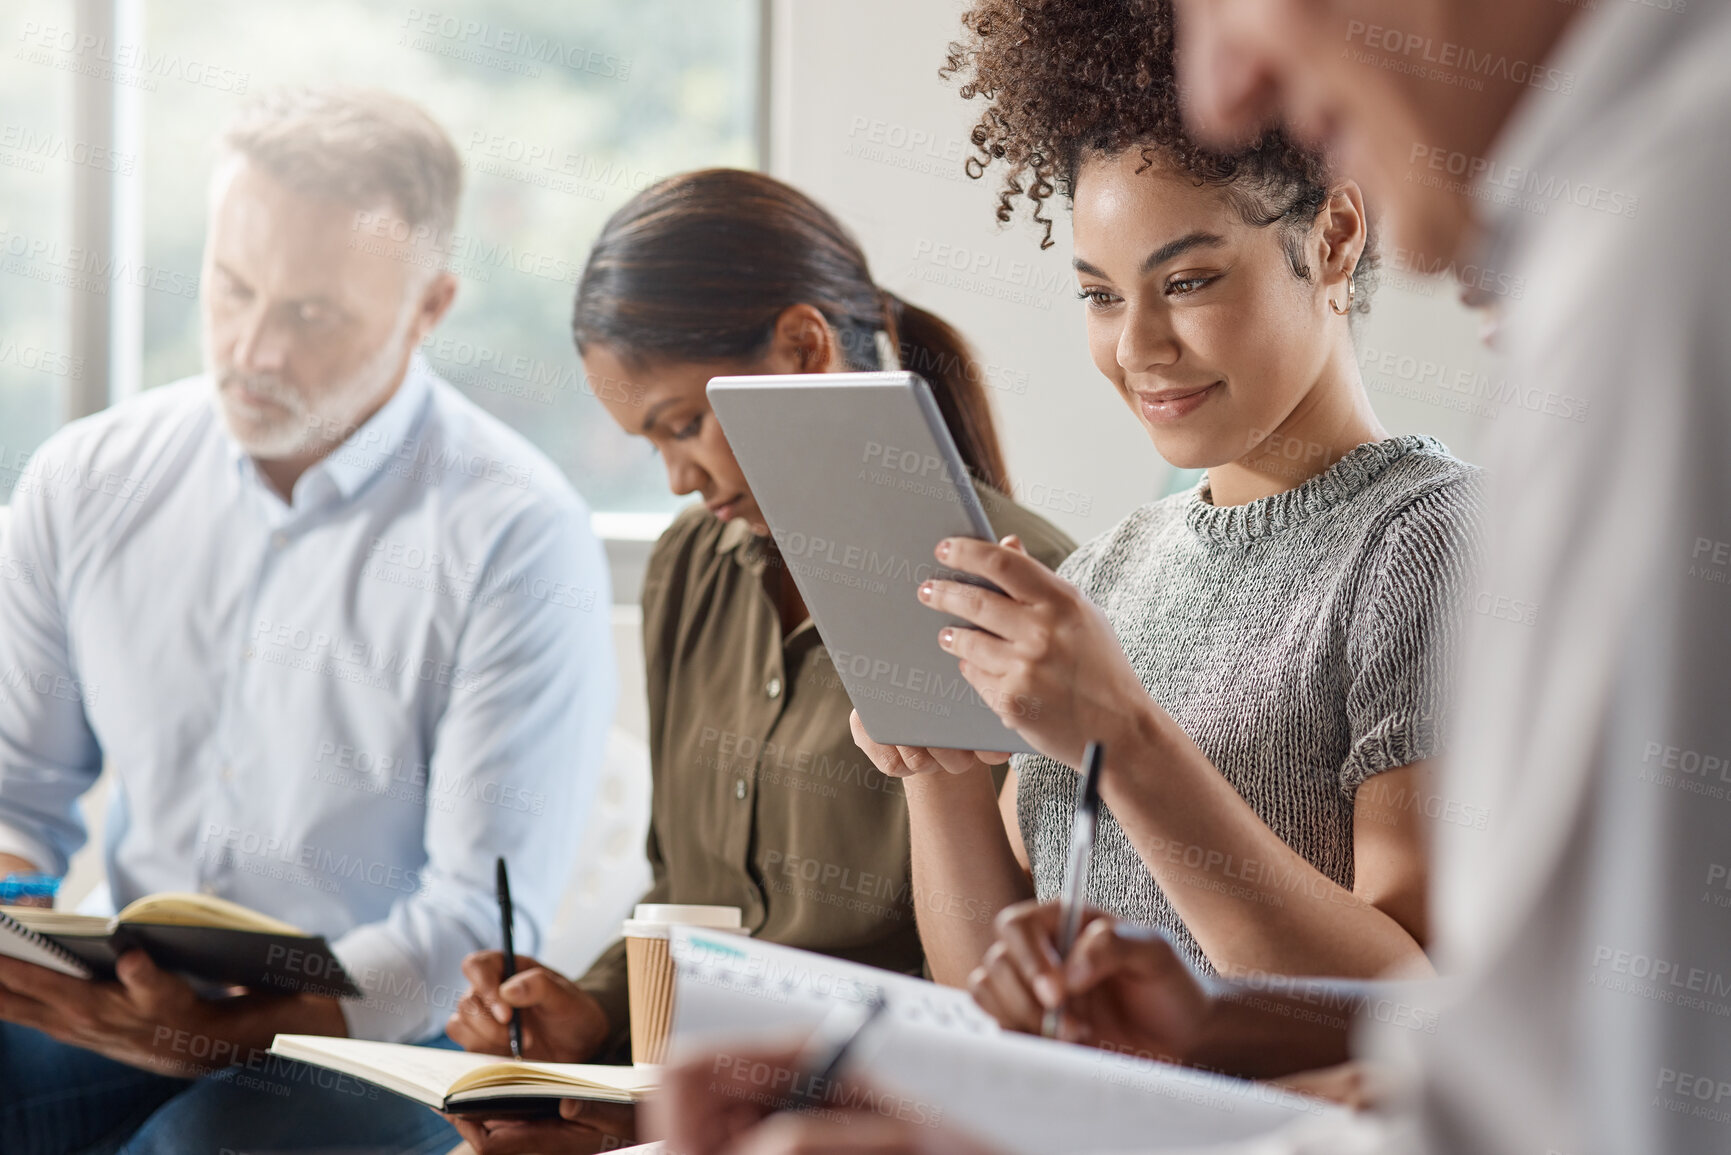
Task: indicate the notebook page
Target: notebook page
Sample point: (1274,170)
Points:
(1032,1096)
(420,1073)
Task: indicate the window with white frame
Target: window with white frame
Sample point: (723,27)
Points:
(560,112)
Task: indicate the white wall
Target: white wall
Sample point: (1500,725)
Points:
(861,121)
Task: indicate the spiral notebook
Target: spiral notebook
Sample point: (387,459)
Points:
(20,942)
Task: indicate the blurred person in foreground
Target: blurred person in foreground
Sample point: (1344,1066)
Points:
(1583,927)
(341,636)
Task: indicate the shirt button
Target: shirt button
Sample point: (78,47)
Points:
(773,689)
(739,789)
(208,888)
(228,773)
(247,653)
(279,540)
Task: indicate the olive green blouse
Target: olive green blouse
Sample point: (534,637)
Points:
(761,799)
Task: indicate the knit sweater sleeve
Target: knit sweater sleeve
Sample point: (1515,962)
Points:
(1405,629)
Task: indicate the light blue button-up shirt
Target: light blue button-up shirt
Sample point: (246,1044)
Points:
(337,710)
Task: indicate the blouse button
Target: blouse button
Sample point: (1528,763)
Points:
(773,689)
(739,789)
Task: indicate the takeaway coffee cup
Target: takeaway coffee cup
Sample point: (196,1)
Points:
(649,968)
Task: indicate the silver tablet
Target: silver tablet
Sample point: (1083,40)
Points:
(859,481)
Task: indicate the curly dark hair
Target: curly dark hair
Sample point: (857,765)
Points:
(1065,78)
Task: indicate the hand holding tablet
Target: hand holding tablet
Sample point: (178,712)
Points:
(859,481)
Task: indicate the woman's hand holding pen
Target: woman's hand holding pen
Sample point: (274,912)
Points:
(1044,658)
(1121,986)
(561,1022)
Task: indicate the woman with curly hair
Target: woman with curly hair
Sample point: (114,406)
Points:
(1263,656)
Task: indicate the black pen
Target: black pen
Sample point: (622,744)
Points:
(1081,857)
(503,883)
(821,1058)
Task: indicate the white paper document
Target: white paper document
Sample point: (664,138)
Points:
(934,1058)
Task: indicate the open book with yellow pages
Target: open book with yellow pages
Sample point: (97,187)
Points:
(458,1082)
(208,939)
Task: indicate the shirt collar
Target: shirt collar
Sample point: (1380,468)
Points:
(369,448)
(736,536)
(364,452)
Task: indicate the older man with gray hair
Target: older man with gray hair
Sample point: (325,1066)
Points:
(341,637)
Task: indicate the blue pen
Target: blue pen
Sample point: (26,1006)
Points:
(27,885)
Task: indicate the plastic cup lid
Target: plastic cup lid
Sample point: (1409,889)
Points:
(652,919)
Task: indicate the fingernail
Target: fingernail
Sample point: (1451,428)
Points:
(927,589)
(944,636)
(944,549)
(1046,987)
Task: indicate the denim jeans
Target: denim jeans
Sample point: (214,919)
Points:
(61,1100)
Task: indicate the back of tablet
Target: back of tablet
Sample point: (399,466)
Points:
(859,480)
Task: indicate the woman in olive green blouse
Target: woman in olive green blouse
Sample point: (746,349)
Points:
(761,798)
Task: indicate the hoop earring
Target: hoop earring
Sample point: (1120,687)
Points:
(1351,291)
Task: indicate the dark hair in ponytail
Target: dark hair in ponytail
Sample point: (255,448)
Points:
(698,267)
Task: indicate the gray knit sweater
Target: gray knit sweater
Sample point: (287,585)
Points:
(1303,642)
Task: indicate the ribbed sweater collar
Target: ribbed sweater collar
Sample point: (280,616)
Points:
(1267,516)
